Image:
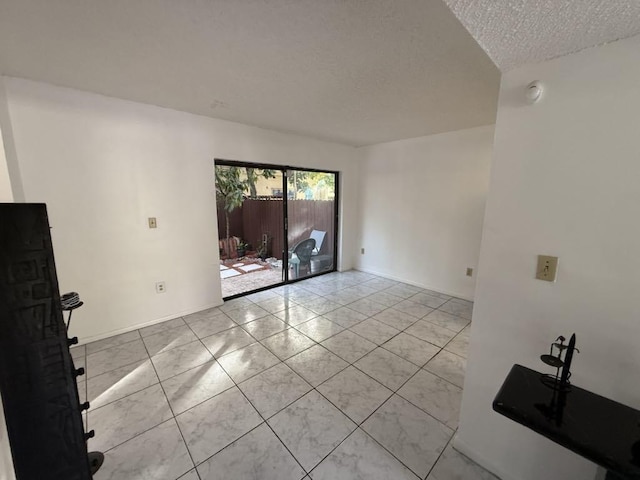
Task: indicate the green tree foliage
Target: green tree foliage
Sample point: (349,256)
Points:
(229,192)
(252,176)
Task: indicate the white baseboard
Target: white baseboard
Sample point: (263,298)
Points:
(101,336)
(409,282)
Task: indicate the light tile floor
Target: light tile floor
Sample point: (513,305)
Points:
(343,376)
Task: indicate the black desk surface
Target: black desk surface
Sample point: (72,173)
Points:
(599,429)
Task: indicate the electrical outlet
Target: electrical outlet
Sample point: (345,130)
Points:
(469,272)
(161,287)
(547,268)
(152,222)
(362,251)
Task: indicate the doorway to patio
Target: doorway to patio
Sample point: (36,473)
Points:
(276,224)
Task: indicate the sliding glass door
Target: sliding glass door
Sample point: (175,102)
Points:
(311,222)
(275,224)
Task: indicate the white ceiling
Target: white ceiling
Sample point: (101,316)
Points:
(517,32)
(352,71)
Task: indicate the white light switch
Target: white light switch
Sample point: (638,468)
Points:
(547,268)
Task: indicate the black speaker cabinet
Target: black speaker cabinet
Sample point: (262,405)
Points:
(37,376)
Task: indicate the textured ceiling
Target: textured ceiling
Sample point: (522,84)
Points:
(517,32)
(352,71)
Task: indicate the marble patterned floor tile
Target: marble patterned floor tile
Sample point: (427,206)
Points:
(259,455)
(361,289)
(395,318)
(355,393)
(449,366)
(367,306)
(78,352)
(125,418)
(296,315)
(247,362)
(310,428)
(159,453)
(321,306)
(301,295)
(435,396)
(460,343)
(411,348)
(114,341)
(209,427)
(386,299)
(427,300)
(204,314)
(461,308)
(430,332)
(437,294)
(412,436)
(168,339)
(316,364)
(277,304)
(345,317)
(375,331)
(195,386)
(227,341)
(412,308)
(386,367)
(115,357)
(119,383)
(81,385)
(379,284)
(235,303)
(191,475)
(446,320)
(180,359)
(161,327)
(324,289)
(205,327)
(452,465)
(286,344)
(247,313)
(319,328)
(264,327)
(344,298)
(349,346)
(274,389)
(403,290)
(262,296)
(361,458)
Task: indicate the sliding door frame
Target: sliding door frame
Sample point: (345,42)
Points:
(284,169)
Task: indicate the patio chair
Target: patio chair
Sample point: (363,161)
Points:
(301,255)
(318,236)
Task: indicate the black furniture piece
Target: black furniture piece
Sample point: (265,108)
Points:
(601,430)
(37,375)
(301,255)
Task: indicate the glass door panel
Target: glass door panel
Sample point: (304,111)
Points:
(311,222)
(250,227)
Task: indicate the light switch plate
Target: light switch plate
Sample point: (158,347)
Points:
(547,268)
(152,222)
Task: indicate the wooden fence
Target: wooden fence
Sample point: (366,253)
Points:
(260,216)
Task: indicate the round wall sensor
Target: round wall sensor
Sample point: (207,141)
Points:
(534,91)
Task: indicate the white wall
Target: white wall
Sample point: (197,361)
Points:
(104,165)
(422,206)
(565,181)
